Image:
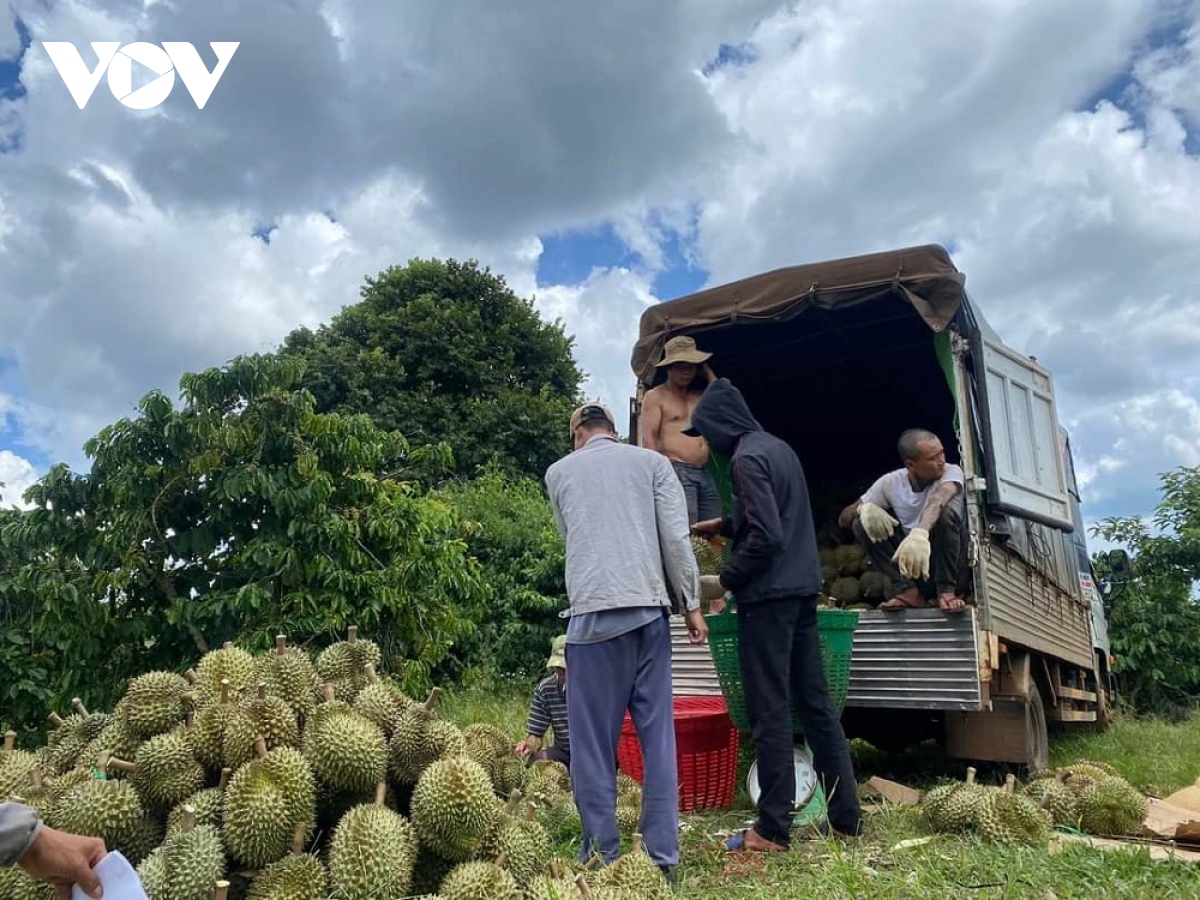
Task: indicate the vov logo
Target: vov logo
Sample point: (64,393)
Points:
(164,62)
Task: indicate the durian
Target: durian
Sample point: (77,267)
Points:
(155,703)
(298,876)
(347,751)
(1111,806)
(187,865)
(372,852)
(479,879)
(266,800)
(453,806)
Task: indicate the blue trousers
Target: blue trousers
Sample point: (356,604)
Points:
(631,671)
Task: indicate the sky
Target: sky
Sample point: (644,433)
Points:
(603,157)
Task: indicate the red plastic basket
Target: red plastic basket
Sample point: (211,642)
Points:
(706,753)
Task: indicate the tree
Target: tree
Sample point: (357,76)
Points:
(445,352)
(1154,617)
(242,514)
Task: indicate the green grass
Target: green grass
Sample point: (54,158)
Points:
(1154,755)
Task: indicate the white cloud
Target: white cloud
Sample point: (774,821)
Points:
(17,475)
(10,41)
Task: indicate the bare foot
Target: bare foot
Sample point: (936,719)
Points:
(907,599)
(951,603)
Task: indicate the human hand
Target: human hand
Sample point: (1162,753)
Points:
(65,860)
(709,528)
(912,556)
(526,746)
(696,626)
(876,522)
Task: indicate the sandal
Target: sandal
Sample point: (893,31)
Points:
(898,602)
(749,840)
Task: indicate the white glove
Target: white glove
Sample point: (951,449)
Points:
(876,522)
(912,556)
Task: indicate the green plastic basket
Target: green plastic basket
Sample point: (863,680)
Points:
(835,628)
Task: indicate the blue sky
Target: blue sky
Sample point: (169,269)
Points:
(1052,148)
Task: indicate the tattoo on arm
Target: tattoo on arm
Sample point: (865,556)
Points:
(941,495)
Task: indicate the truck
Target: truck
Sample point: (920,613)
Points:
(838,358)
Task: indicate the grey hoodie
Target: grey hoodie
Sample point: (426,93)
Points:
(19,825)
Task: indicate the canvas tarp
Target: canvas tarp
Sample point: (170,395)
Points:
(924,275)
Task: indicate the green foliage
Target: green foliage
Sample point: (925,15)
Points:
(1154,619)
(513,535)
(446,352)
(242,514)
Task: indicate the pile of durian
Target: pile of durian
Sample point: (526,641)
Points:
(848,580)
(289,776)
(1085,796)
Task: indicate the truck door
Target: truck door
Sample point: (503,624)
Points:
(1022,460)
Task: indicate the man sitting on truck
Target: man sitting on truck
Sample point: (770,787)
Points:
(925,499)
(665,410)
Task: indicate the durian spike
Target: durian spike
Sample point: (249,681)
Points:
(298,838)
(328,692)
(79,707)
(1010,781)
(122,765)
(352,634)
(280,644)
(380,793)
(585,889)
(224,690)
(260,746)
(431,702)
(222,891)
(10,740)
(970,775)
(56,719)
(226,774)
(188,818)
(192,676)
(262,690)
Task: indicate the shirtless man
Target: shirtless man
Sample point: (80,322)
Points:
(925,498)
(665,410)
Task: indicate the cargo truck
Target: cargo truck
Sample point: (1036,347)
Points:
(838,358)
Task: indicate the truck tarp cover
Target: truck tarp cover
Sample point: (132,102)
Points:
(924,275)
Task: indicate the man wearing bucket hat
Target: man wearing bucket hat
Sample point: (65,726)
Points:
(666,409)
(548,710)
(629,563)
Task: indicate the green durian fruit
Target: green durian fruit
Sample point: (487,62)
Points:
(187,865)
(372,853)
(266,800)
(453,806)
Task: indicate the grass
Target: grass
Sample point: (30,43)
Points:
(1156,756)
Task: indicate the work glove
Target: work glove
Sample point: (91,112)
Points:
(912,556)
(876,522)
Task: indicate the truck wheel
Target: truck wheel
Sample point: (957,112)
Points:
(1037,739)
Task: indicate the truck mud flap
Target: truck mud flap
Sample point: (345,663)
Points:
(915,659)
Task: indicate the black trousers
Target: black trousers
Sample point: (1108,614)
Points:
(780,657)
(947,557)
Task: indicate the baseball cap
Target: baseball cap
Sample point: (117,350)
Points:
(591,412)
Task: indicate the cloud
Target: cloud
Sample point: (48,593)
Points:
(17,475)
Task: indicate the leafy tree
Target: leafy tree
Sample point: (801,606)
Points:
(513,535)
(1154,616)
(239,515)
(445,352)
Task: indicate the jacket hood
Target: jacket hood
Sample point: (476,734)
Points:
(722,417)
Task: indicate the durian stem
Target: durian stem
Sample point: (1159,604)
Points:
(585,889)
(555,869)
(298,838)
(79,707)
(1010,781)
(188,818)
(970,775)
(595,860)
(328,692)
(224,690)
(226,774)
(372,675)
(432,700)
(280,644)
(262,690)
(192,676)
(122,765)
(637,842)
(228,645)
(260,746)
(501,861)
(222,892)
(10,740)
(35,775)
(352,634)
(510,805)
(102,761)
(380,793)
(56,719)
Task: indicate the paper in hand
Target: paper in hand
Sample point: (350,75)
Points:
(118,878)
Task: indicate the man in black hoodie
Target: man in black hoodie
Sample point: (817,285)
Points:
(774,573)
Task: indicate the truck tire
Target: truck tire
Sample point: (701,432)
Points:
(1037,737)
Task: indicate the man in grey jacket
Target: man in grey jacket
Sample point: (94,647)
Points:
(623,516)
(49,855)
